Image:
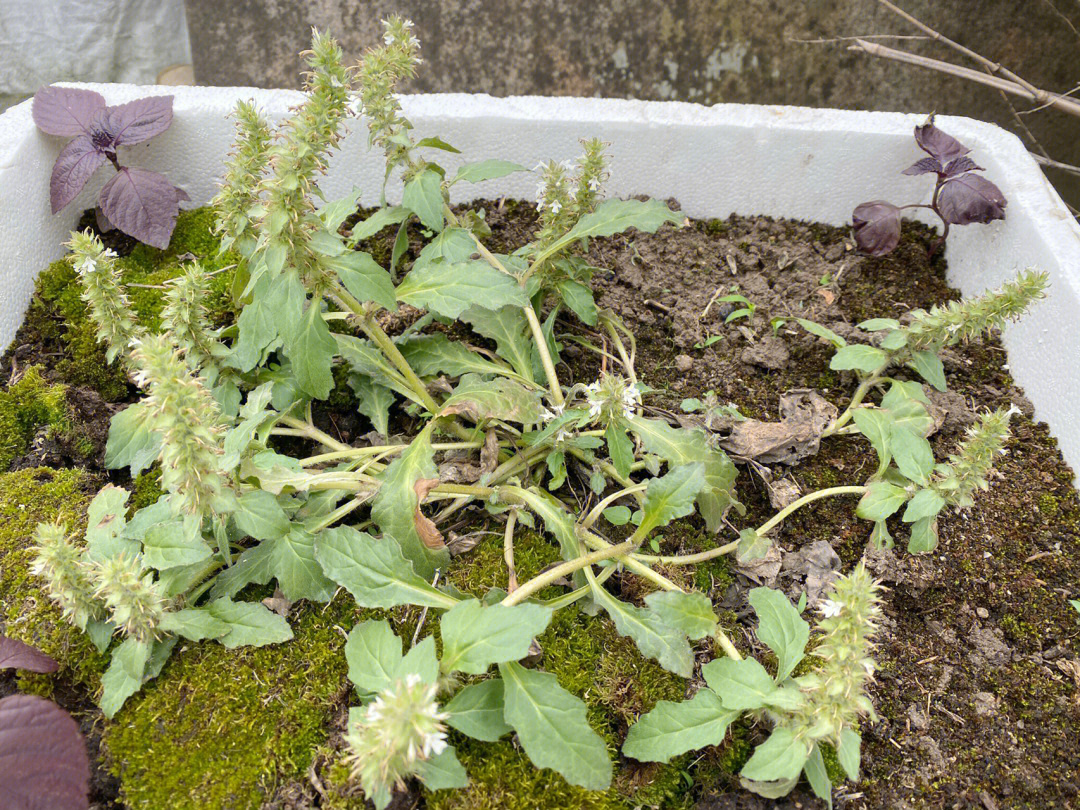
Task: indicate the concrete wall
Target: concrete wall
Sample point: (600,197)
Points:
(705,51)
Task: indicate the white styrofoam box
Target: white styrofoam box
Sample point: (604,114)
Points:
(731,158)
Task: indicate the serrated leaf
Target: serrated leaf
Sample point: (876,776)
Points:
(429,355)
(881,500)
(475,637)
(373,401)
(671,729)
(912,453)
(250,624)
(815,328)
(552,727)
(652,635)
(397,504)
(925,504)
(442,771)
(373,654)
(620,448)
(105,522)
(423,196)
(298,573)
(510,331)
(174,543)
(450,289)
(689,613)
(782,756)
(132,443)
(364,278)
(259,515)
(501,398)
(848,753)
(453,245)
(930,368)
(781,629)
(477,711)
(124,677)
(311,349)
(194,624)
(579,299)
(818,777)
(383,218)
(859,357)
(672,496)
(616,216)
(742,685)
(483,170)
(374,571)
(876,427)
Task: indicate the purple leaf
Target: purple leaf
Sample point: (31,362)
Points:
(924,165)
(74,165)
(961,165)
(66,111)
(971,198)
(937,144)
(142,204)
(138,120)
(43,762)
(877,227)
(14,654)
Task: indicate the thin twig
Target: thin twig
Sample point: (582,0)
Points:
(508,551)
(830,40)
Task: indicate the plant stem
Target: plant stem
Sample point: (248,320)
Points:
(545,355)
(856,400)
(508,551)
(595,541)
(387,449)
(541,581)
(310,431)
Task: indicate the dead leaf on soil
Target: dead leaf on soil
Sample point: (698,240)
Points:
(489,453)
(763,571)
(429,534)
(817,565)
(804,414)
(278,603)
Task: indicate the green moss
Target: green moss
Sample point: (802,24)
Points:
(146,489)
(28,405)
(221,728)
(58,312)
(28,497)
(1048,504)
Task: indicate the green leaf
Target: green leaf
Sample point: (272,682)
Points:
(442,771)
(124,677)
(924,536)
(818,777)
(250,624)
(678,447)
(424,197)
(382,218)
(881,500)
(822,332)
(364,278)
(510,331)
(298,573)
(848,754)
(752,546)
(373,401)
(556,519)
(672,496)
(486,170)
(435,142)
(652,635)
(859,357)
(672,729)
(879,324)
(194,624)
(689,613)
(894,340)
(579,299)
(616,216)
(501,398)
(620,448)
(436,354)
(477,711)
(781,629)
(617,515)
(742,685)
(475,637)
(453,245)
(259,515)
(253,565)
(373,653)
(912,453)
(450,289)
(875,425)
(374,571)
(930,368)
(311,350)
(105,522)
(770,790)
(880,537)
(552,727)
(782,756)
(131,442)
(334,214)
(396,505)
(174,543)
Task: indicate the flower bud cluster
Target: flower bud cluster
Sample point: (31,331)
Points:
(592,173)
(554,201)
(966,470)
(184,316)
(835,692)
(389,737)
(612,397)
(189,421)
(108,304)
(128,590)
(961,321)
(60,563)
(379,72)
(239,192)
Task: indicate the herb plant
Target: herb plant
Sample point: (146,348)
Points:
(222,407)
(139,202)
(961,197)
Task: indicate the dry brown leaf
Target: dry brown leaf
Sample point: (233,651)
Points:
(430,535)
(489,453)
(804,414)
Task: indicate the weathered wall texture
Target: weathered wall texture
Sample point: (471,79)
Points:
(705,51)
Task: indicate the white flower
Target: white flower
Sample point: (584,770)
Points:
(556,206)
(594,184)
(407,23)
(830,608)
(85,265)
(388,38)
(556,410)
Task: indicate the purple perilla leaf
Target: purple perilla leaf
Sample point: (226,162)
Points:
(877,227)
(971,198)
(138,120)
(43,761)
(937,144)
(74,165)
(142,204)
(15,654)
(66,111)
(961,165)
(925,165)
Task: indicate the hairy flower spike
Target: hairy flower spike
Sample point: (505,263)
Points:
(611,397)
(555,202)
(131,595)
(379,72)
(189,420)
(961,321)
(110,309)
(239,192)
(184,316)
(592,172)
(968,468)
(60,563)
(391,735)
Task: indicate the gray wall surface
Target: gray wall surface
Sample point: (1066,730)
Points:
(705,51)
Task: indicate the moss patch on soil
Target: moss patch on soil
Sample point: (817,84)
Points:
(30,404)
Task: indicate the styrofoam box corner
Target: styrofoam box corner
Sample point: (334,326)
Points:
(790,162)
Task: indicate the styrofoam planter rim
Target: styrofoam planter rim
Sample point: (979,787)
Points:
(794,162)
